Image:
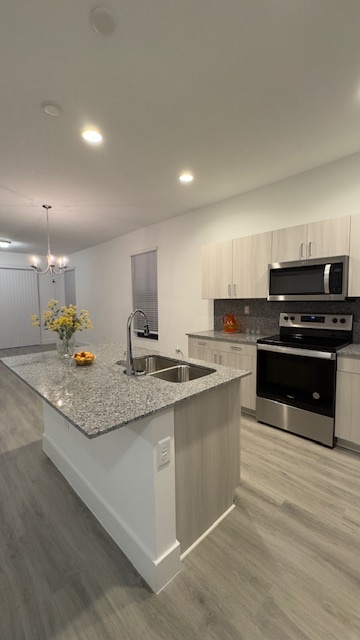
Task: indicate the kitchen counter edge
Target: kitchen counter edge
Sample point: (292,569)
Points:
(100,398)
(223,336)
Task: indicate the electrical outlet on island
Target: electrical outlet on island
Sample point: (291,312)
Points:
(163,452)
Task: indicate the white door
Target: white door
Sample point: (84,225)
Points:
(19,299)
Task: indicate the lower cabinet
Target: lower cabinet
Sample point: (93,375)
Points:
(347,424)
(239,356)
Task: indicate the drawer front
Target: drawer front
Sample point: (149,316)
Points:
(236,347)
(223,345)
(349,365)
(244,349)
(202,342)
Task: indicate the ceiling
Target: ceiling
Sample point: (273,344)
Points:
(240,92)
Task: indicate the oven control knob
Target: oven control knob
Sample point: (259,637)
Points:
(292,318)
(286,317)
(335,320)
(342,320)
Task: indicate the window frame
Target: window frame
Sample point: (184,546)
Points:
(145,262)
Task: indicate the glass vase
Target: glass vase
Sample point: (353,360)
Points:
(65,346)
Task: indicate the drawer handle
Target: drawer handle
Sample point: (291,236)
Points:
(201,344)
(236,348)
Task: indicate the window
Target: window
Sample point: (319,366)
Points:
(144,291)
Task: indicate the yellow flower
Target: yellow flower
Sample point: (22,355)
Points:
(64,320)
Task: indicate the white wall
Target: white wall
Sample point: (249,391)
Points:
(47,288)
(103,282)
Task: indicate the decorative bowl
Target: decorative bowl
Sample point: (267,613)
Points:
(83,358)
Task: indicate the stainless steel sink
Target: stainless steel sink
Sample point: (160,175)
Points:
(182,373)
(168,369)
(152,363)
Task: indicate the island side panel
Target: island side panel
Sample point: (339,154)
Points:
(207,460)
(116,476)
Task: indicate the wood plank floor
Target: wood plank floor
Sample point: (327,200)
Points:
(284,565)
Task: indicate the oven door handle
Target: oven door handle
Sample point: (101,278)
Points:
(293,351)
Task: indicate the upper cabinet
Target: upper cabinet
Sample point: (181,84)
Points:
(251,256)
(289,244)
(320,239)
(354,268)
(236,268)
(328,238)
(239,268)
(216,270)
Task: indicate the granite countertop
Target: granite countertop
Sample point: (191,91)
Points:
(243,338)
(99,398)
(351,351)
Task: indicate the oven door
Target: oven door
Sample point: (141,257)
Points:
(297,377)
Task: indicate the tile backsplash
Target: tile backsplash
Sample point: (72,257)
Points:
(264,316)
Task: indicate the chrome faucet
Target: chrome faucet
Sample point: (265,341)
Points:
(129,356)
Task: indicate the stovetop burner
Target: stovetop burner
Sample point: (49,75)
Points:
(306,342)
(323,332)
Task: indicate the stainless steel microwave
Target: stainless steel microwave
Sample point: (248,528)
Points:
(314,279)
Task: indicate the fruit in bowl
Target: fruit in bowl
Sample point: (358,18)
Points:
(83,357)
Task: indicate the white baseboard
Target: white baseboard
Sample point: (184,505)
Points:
(157,573)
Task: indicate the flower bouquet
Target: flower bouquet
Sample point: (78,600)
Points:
(65,321)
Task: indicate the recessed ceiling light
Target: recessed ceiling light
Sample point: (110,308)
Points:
(103,21)
(186,177)
(4,244)
(90,135)
(52,108)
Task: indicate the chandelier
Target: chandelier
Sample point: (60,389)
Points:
(51,261)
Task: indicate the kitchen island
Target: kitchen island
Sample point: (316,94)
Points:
(157,462)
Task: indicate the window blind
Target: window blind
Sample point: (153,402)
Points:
(19,299)
(144,289)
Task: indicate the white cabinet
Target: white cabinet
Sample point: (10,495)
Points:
(320,239)
(245,358)
(347,423)
(210,351)
(289,244)
(251,256)
(216,270)
(354,267)
(329,238)
(239,356)
(236,268)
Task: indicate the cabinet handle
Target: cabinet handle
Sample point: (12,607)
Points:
(310,243)
(302,250)
(235,290)
(220,358)
(229,290)
(215,358)
(236,348)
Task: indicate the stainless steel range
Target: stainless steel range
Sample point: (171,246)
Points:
(296,374)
